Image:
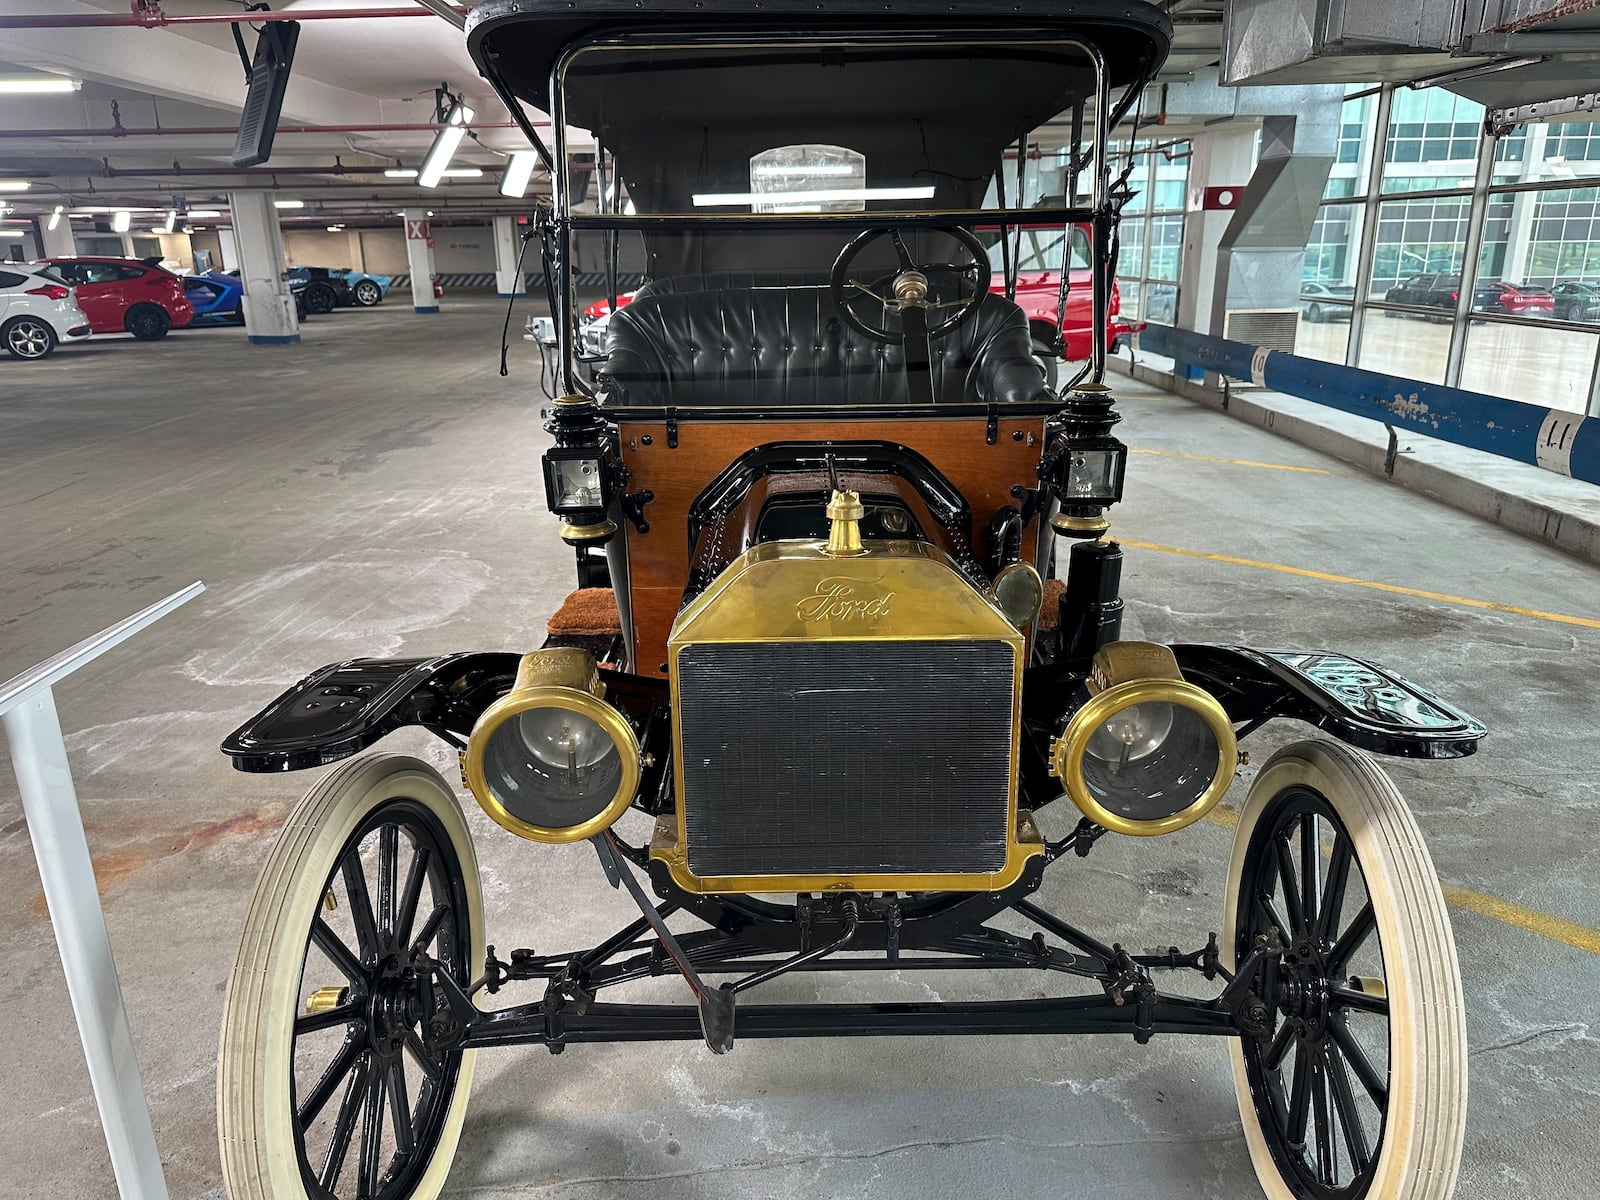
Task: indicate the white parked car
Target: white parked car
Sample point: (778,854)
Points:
(37,311)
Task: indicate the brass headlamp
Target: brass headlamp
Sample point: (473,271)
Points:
(551,760)
(1147,752)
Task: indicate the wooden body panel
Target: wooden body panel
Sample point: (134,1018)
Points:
(658,561)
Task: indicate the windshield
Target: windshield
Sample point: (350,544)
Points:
(744,220)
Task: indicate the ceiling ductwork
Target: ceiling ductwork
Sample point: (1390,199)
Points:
(1497,52)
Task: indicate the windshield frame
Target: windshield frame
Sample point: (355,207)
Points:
(1100,216)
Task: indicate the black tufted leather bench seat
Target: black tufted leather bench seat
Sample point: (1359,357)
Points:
(732,340)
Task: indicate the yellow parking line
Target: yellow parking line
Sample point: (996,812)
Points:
(1467,601)
(1531,920)
(1234,462)
(1543,924)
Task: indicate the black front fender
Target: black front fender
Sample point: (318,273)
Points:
(1354,700)
(343,708)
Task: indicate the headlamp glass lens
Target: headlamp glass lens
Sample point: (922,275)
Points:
(1151,761)
(553,767)
(1131,733)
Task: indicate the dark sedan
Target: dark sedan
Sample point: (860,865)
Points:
(1578,301)
(1425,291)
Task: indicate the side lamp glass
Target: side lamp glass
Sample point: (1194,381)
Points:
(1091,473)
(575,484)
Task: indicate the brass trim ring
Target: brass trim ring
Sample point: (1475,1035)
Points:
(573,534)
(514,704)
(1062,523)
(1066,760)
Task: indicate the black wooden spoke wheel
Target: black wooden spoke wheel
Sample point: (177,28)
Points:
(338,1079)
(1358,1088)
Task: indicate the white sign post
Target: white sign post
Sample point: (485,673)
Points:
(50,804)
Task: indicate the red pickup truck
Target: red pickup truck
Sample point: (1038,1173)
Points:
(1039,296)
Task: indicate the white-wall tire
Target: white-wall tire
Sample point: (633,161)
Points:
(1417,1149)
(256,1081)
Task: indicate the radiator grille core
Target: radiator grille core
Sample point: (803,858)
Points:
(850,757)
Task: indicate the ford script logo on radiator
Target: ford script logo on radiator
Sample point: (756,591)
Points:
(839,599)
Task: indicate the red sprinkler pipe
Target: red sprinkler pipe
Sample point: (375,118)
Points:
(148,14)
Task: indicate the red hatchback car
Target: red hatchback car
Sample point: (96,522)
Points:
(124,295)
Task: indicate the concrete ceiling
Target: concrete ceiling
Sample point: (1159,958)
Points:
(375,73)
(155,115)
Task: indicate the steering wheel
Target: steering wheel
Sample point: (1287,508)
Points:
(909,285)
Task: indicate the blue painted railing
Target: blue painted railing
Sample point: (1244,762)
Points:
(1557,440)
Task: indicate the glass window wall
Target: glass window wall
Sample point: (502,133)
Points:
(1532,326)
(1152,230)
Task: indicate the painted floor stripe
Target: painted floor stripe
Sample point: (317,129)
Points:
(1531,920)
(1555,928)
(1235,462)
(1396,589)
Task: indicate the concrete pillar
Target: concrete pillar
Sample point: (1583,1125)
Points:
(127,244)
(228,246)
(419,257)
(1523,206)
(1220,158)
(57,242)
(269,316)
(508,277)
(358,257)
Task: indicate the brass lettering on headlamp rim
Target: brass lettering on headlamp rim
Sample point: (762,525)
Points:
(1125,675)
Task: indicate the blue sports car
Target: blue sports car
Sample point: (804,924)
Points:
(368,289)
(216,296)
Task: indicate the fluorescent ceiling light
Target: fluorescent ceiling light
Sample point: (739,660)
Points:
(121,220)
(172,220)
(518,173)
(822,196)
(288,204)
(91,210)
(335,228)
(444,146)
(204,213)
(805,169)
(14,185)
(55,218)
(37,85)
(450,173)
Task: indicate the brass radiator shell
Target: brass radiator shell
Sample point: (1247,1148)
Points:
(897,593)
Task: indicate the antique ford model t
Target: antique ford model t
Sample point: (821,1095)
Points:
(814,484)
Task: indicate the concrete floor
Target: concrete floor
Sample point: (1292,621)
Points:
(375,491)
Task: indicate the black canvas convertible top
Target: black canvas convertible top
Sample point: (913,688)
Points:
(521,40)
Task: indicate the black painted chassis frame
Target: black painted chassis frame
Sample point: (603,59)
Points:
(758,941)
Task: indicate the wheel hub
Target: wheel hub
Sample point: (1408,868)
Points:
(1303,986)
(391,1006)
